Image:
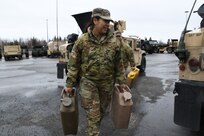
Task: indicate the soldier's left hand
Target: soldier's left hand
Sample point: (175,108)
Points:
(123,86)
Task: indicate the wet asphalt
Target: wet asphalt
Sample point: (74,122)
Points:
(30,100)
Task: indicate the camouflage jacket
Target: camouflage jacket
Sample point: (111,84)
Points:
(96,60)
(127,54)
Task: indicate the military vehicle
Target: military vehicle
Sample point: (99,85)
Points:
(161,48)
(39,51)
(65,51)
(172,45)
(83,20)
(53,48)
(0,52)
(139,54)
(12,52)
(134,42)
(24,51)
(150,46)
(189,89)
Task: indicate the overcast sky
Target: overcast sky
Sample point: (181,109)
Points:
(159,19)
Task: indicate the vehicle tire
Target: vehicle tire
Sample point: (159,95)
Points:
(169,50)
(6,58)
(142,67)
(174,49)
(20,57)
(150,51)
(27,56)
(156,50)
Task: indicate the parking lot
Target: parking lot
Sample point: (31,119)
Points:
(30,99)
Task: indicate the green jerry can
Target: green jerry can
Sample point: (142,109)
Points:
(121,107)
(69,112)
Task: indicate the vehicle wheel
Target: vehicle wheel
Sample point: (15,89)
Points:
(150,51)
(142,67)
(156,50)
(6,58)
(27,56)
(174,49)
(20,57)
(169,50)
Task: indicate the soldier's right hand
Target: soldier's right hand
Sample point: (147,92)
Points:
(68,90)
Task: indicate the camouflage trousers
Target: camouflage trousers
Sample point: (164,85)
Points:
(95,98)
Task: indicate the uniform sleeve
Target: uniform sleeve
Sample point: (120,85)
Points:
(73,66)
(119,68)
(130,55)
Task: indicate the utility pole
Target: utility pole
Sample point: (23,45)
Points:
(47,28)
(57,23)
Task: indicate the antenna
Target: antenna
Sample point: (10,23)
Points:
(189,15)
(182,53)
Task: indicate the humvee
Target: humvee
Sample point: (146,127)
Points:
(53,48)
(39,51)
(65,51)
(172,45)
(83,20)
(12,51)
(189,89)
(139,54)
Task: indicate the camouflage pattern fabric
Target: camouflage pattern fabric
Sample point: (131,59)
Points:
(95,98)
(127,54)
(95,60)
(99,64)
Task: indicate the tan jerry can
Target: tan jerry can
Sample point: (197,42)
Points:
(121,107)
(69,112)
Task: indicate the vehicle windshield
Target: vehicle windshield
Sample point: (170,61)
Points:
(153,42)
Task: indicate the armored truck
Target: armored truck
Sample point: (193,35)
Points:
(53,48)
(150,46)
(139,54)
(189,89)
(39,51)
(83,20)
(65,51)
(12,52)
(172,45)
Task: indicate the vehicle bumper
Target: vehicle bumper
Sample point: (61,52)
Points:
(188,103)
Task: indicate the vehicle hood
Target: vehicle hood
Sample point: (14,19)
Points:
(83,20)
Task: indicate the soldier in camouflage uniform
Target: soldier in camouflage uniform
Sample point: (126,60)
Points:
(96,58)
(126,51)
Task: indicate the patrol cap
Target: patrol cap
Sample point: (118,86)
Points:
(102,13)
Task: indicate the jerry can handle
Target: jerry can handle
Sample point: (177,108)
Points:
(63,93)
(127,89)
(119,89)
